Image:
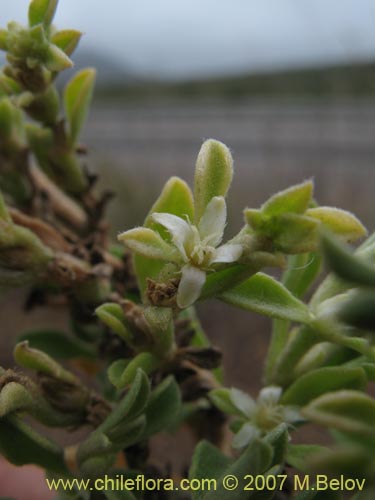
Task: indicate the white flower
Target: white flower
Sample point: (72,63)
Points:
(198,247)
(262,415)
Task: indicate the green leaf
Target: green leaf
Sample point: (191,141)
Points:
(8,86)
(122,372)
(115,372)
(278,438)
(21,445)
(342,223)
(207,463)
(347,266)
(147,361)
(163,407)
(213,174)
(346,410)
(301,272)
(149,244)
(42,11)
(359,311)
(36,360)
(3,40)
(317,382)
(264,295)
(349,461)
(77,98)
(56,59)
(4,214)
(57,344)
(176,199)
(220,281)
(131,405)
(298,455)
(292,233)
(14,397)
(364,363)
(295,199)
(256,459)
(112,315)
(66,40)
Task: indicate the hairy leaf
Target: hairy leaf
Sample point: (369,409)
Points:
(264,295)
(317,382)
(77,98)
(213,174)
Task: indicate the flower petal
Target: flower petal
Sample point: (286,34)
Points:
(212,224)
(243,402)
(179,229)
(270,395)
(189,289)
(227,253)
(246,434)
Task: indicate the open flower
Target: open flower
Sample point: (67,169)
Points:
(194,247)
(255,417)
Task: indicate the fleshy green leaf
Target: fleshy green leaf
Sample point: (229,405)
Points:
(295,199)
(147,361)
(347,266)
(359,311)
(213,174)
(177,199)
(57,344)
(112,315)
(346,410)
(298,455)
(77,98)
(349,461)
(39,361)
(301,272)
(3,39)
(132,404)
(8,86)
(14,397)
(66,40)
(149,244)
(344,224)
(42,11)
(327,379)
(163,407)
(4,214)
(264,295)
(292,233)
(115,371)
(208,463)
(256,459)
(57,60)
(21,445)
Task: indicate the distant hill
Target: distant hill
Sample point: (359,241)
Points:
(109,71)
(349,80)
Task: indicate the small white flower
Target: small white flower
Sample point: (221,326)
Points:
(262,415)
(198,247)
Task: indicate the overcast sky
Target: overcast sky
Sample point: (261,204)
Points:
(189,38)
